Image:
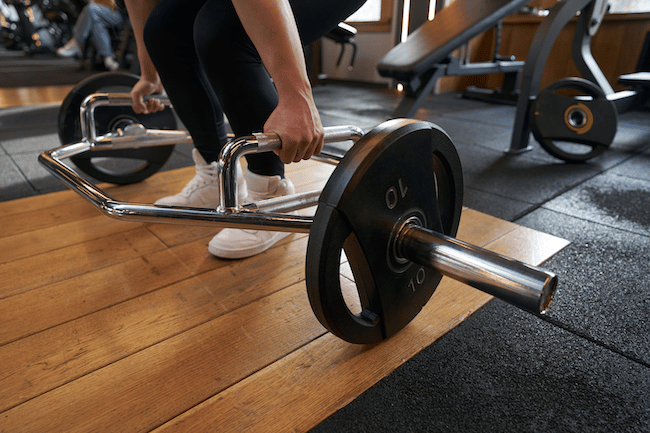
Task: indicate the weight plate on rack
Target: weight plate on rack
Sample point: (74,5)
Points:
(401,170)
(120,166)
(573,128)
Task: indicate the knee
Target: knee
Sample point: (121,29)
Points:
(217,31)
(94,10)
(211,41)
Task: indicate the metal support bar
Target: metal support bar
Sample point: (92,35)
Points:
(538,54)
(588,22)
(411,103)
(484,68)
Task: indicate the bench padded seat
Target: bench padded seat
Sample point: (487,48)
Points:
(435,40)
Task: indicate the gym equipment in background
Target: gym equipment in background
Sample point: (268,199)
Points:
(571,128)
(426,56)
(556,131)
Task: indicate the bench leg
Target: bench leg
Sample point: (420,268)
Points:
(412,101)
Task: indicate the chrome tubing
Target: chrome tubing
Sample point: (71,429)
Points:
(238,147)
(527,287)
(132,136)
(284,203)
(245,218)
(264,215)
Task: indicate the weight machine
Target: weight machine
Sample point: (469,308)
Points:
(581,127)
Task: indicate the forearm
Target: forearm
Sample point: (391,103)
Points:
(271,26)
(139,11)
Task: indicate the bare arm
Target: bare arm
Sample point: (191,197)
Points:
(149,83)
(270,25)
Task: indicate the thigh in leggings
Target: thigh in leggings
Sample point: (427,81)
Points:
(231,63)
(235,69)
(170,43)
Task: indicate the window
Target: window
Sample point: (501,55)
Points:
(629,6)
(373,16)
(370,11)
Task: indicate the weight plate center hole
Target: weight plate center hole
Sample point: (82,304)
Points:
(577,117)
(121,123)
(396,262)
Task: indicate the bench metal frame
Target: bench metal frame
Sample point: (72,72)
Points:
(426,56)
(417,92)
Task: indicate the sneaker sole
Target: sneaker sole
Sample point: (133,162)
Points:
(249,252)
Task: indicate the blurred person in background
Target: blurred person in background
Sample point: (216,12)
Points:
(94,23)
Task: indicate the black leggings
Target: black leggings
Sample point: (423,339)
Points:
(209,66)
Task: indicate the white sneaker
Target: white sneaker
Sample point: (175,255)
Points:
(240,243)
(203,190)
(111,64)
(70,49)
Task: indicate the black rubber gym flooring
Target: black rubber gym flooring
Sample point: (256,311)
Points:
(41,69)
(584,367)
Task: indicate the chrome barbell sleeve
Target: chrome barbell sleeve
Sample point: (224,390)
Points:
(527,287)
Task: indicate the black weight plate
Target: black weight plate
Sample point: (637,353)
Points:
(573,128)
(123,166)
(401,169)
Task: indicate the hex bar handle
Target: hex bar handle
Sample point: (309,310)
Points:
(527,287)
(264,215)
(238,147)
(137,135)
(157,138)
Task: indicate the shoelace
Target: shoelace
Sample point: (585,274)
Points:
(198,181)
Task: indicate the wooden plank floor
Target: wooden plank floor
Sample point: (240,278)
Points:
(108,325)
(30,96)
